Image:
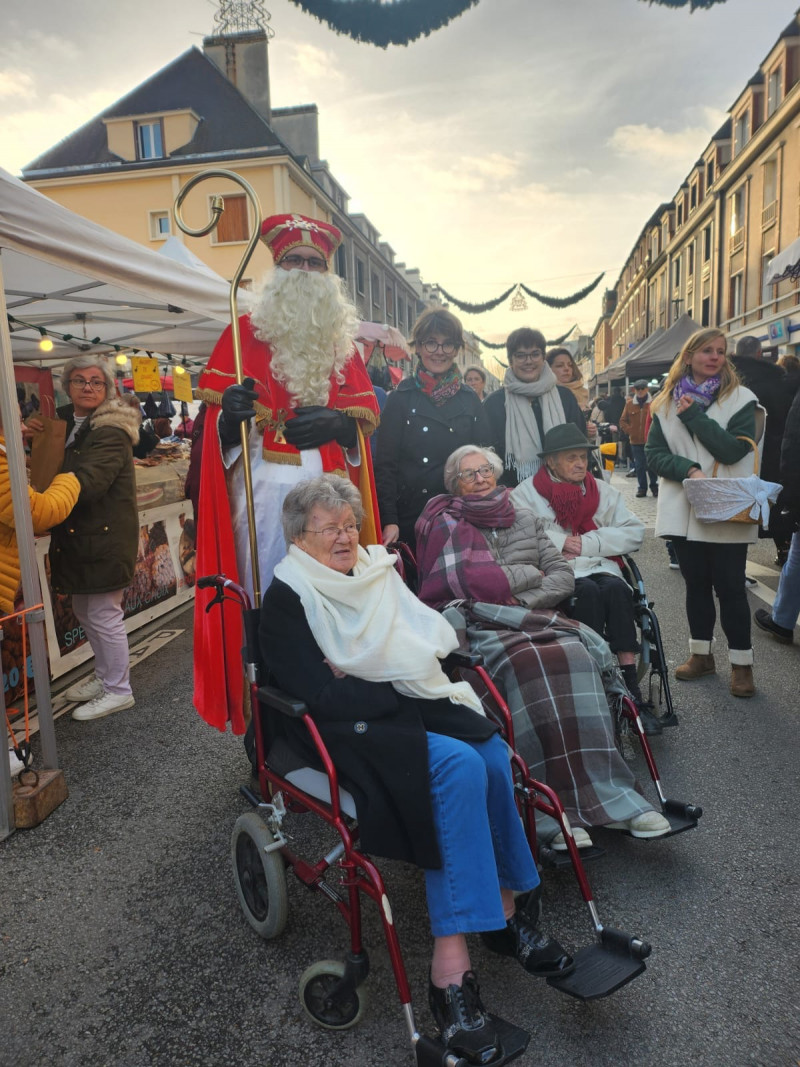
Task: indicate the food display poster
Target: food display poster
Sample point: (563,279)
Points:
(146,378)
(164,578)
(182,385)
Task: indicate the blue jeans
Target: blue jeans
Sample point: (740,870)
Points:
(480,835)
(642,473)
(786,608)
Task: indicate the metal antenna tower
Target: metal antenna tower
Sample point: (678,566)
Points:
(242,16)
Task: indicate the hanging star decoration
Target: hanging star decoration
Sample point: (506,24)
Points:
(518,301)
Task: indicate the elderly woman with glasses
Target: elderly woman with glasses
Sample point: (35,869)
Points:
(93,553)
(429,773)
(490,565)
(530,403)
(425,418)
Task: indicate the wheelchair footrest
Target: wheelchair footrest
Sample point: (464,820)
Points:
(680,816)
(670,719)
(431,1052)
(559,861)
(601,969)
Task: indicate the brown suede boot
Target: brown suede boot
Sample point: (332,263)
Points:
(742,684)
(695,667)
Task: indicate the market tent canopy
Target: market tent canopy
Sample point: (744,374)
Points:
(659,357)
(785,265)
(619,368)
(69,276)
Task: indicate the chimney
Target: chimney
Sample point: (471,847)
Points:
(243,59)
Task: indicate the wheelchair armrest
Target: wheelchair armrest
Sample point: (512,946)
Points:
(282,702)
(460,658)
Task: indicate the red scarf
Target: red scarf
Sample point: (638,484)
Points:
(574,510)
(574,505)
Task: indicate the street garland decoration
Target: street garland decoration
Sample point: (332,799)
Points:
(548,301)
(493,344)
(400,22)
(403,21)
(563,301)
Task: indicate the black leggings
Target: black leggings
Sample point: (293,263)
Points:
(605,603)
(707,568)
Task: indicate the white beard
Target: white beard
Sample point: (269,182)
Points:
(307,320)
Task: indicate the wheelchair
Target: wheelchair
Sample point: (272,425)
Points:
(331,991)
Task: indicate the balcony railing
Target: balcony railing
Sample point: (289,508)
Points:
(737,240)
(769,213)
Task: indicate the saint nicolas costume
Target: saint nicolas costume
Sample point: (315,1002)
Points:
(222,531)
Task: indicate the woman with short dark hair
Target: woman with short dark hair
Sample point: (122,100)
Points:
(424,419)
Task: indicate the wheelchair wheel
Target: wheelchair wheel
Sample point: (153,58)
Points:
(317,984)
(260,876)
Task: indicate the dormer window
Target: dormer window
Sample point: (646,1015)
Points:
(149,140)
(774,90)
(741,132)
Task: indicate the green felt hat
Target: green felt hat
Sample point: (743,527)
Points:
(562,438)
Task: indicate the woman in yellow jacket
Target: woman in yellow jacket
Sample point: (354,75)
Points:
(47,509)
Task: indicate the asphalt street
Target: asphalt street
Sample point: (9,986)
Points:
(123,944)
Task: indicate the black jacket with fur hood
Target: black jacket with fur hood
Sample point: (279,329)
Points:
(94,549)
(768,381)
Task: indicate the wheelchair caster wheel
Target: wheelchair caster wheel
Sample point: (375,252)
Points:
(260,876)
(329,1006)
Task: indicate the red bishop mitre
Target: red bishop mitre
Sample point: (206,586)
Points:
(283,232)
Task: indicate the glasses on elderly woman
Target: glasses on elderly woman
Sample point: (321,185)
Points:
(330,533)
(95,384)
(470,476)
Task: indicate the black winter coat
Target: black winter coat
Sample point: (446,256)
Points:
(94,549)
(790,460)
(495,408)
(415,439)
(376,736)
(768,382)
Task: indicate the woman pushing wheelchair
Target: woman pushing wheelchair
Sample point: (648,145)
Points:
(429,773)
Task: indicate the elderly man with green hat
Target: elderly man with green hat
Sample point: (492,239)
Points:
(589,523)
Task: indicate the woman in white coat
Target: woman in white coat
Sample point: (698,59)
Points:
(701,417)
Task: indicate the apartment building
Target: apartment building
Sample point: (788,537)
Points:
(211,109)
(706,252)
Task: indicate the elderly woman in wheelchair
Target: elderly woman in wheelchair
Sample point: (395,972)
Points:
(428,771)
(488,563)
(589,523)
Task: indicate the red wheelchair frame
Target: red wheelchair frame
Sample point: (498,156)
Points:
(329,990)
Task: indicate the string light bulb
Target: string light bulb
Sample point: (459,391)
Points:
(46,345)
(121,360)
(178,370)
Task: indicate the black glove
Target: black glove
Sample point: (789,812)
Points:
(237,407)
(313,426)
(782,523)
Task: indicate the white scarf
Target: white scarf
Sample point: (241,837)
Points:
(523,443)
(369,625)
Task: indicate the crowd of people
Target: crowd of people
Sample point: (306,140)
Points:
(518,548)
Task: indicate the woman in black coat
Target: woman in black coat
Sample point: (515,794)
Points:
(426,418)
(429,774)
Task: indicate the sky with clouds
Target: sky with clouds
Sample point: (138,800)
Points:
(529,140)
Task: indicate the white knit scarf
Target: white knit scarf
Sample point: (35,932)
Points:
(369,625)
(523,443)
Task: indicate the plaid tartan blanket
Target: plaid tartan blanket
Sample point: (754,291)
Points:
(549,667)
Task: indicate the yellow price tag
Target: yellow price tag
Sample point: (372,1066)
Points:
(146,378)
(182,384)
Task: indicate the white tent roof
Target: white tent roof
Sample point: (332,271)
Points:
(71,276)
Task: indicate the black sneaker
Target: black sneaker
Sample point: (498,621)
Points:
(462,1020)
(539,954)
(639,493)
(651,724)
(765,621)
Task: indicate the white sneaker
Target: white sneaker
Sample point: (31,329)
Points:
(580,836)
(86,689)
(103,705)
(647,824)
(15,764)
